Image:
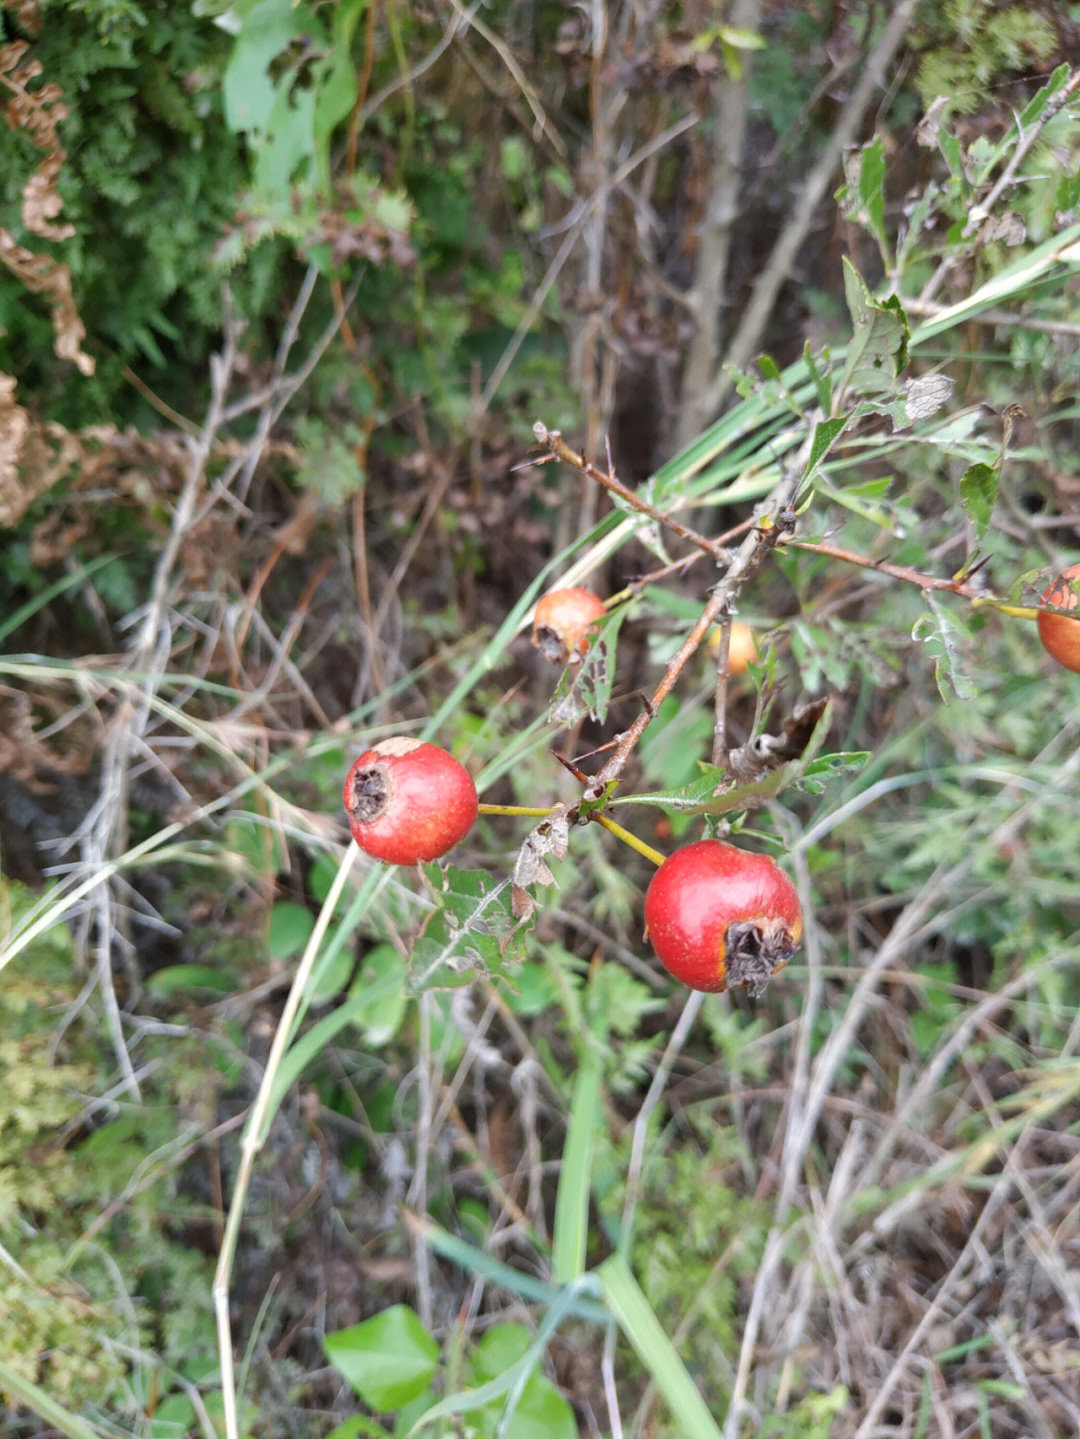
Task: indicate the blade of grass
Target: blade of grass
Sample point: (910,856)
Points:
(47,1408)
(639,1323)
(571,1232)
(50,593)
(493,1271)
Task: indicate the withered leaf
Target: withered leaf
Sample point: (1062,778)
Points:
(550,837)
(767,752)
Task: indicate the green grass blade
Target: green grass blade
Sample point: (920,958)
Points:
(639,1323)
(494,1272)
(575,1178)
(36,1399)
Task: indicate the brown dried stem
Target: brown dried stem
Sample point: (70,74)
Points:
(912,576)
(556,446)
(749,558)
(719,745)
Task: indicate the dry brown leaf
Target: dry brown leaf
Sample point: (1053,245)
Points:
(42,203)
(37,113)
(44,275)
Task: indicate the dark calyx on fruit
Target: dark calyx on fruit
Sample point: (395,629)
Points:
(754,953)
(369,793)
(550,644)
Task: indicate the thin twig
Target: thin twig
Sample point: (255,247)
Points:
(576,223)
(914,577)
(683,1025)
(723,653)
(554,443)
(103,833)
(982,210)
(706,299)
(468,19)
(769,529)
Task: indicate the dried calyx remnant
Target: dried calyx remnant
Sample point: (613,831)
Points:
(368,793)
(550,645)
(754,953)
(369,785)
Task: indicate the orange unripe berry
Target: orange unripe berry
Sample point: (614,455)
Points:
(721,918)
(742,647)
(407,800)
(1059,634)
(562,624)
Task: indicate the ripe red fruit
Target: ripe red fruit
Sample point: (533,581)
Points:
(562,622)
(720,918)
(1059,634)
(407,801)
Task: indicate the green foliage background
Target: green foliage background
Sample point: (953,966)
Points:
(234,175)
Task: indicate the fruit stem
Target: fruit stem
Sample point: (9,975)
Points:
(535,811)
(630,839)
(1020,612)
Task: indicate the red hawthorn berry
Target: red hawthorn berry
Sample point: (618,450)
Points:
(562,621)
(721,918)
(1059,634)
(407,801)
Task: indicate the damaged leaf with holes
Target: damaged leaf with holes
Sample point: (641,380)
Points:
(471,929)
(585,689)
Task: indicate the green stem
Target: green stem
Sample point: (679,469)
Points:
(536,811)
(1020,612)
(630,839)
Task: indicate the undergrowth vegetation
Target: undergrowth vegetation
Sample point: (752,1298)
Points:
(333,336)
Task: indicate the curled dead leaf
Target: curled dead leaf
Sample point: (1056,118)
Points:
(549,839)
(767,752)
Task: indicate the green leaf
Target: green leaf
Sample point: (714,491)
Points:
(826,433)
(389,1359)
(540,1412)
(290,929)
(1033,110)
(705,795)
(941,632)
(289,142)
(862,199)
(585,688)
(356,1427)
(768,367)
(827,766)
(378,998)
(877,354)
(953,153)
(336,84)
(180,978)
(872,185)
(266,28)
(978,490)
(821,377)
(859,499)
(713,792)
(471,928)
